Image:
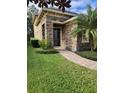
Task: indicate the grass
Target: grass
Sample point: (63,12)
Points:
(88,54)
(52,73)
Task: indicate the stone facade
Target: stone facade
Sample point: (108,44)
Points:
(49,27)
(63,21)
(68,39)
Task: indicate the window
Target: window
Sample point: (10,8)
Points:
(43,31)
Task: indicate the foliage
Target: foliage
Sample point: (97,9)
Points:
(52,73)
(61,4)
(29,25)
(88,54)
(45,44)
(35,43)
(47,51)
(31,11)
(76,31)
(87,24)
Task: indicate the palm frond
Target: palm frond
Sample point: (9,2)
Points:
(76,31)
(87,24)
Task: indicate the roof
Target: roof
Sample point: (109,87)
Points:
(59,11)
(72,14)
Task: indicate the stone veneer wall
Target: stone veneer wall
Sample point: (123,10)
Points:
(79,41)
(49,24)
(49,29)
(82,45)
(68,39)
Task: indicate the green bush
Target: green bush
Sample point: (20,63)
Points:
(45,44)
(35,43)
(48,51)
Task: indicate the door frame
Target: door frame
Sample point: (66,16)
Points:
(58,27)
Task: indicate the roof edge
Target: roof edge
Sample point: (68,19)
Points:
(60,12)
(62,23)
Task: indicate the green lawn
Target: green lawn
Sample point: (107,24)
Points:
(88,54)
(51,73)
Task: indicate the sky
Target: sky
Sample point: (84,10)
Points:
(80,6)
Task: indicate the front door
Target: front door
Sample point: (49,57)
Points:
(56,36)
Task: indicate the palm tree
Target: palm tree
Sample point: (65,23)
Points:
(87,24)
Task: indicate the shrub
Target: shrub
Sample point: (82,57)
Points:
(48,51)
(35,43)
(45,44)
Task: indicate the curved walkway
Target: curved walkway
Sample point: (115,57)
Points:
(78,59)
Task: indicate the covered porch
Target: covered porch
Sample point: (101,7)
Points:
(62,37)
(59,36)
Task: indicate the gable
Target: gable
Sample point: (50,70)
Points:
(54,15)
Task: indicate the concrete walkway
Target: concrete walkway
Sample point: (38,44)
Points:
(78,59)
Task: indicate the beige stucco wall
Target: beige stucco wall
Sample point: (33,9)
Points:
(38,32)
(38,28)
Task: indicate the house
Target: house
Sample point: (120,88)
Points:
(57,26)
